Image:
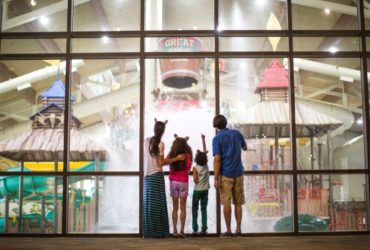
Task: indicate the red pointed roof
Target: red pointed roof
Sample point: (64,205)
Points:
(275,76)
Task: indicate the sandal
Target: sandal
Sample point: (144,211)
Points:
(181,235)
(175,235)
(227,234)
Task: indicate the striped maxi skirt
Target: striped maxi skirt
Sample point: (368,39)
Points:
(155,217)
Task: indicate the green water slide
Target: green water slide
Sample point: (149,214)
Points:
(33,186)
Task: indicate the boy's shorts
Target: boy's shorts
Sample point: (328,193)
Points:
(179,189)
(232,188)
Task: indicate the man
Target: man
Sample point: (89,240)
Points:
(229,171)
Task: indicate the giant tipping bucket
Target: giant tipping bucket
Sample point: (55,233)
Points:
(180,73)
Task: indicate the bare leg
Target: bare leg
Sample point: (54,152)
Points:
(227,216)
(175,202)
(183,213)
(238,217)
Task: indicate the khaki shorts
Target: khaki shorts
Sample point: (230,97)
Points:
(232,188)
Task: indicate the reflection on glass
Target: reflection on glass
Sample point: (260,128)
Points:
(181,90)
(41,204)
(103,204)
(328,111)
(254,98)
(332,203)
(325,15)
(32,115)
(268,204)
(105,44)
(28,46)
(38,16)
(106,15)
(105,135)
(179,15)
(253,44)
(252,15)
(179,44)
(327,44)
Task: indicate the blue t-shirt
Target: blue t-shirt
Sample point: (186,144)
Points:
(228,144)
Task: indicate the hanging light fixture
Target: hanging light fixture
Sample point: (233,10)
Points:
(33,3)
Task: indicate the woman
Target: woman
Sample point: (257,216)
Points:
(155,207)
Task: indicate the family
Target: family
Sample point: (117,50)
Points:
(228,178)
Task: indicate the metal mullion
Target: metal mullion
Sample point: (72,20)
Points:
(111,34)
(36,173)
(156,55)
(217,101)
(253,33)
(90,173)
(32,56)
(110,55)
(365,106)
(34,35)
(326,33)
(67,119)
(182,33)
(252,54)
(323,54)
(293,149)
(141,116)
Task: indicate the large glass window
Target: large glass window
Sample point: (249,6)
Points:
(292,86)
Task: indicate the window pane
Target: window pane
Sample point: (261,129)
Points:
(252,15)
(105,44)
(179,44)
(329,44)
(43,16)
(106,104)
(329,114)
(253,44)
(179,15)
(268,205)
(28,46)
(106,15)
(9,204)
(211,208)
(106,204)
(254,99)
(41,204)
(332,203)
(181,90)
(32,97)
(325,15)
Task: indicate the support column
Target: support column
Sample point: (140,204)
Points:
(312,158)
(55,199)
(20,200)
(319,149)
(43,205)
(97,160)
(6,226)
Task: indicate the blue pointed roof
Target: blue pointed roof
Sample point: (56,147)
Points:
(57,90)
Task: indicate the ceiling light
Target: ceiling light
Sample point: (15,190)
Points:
(333,49)
(359,121)
(105,39)
(33,3)
(195,27)
(219,29)
(327,11)
(43,20)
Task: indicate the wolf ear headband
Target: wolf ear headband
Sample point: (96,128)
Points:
(165,122)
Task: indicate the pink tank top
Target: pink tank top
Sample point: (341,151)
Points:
(181,175)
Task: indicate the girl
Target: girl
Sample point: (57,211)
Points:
(155,217)
(201,180)
(179,181)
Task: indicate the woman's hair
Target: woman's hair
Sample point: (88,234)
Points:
(159,128)
(201,158)
(179,146)
(219,122)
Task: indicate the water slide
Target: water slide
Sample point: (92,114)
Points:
(35,185)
